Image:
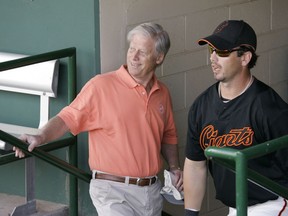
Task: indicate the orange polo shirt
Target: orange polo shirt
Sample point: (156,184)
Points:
(125,125)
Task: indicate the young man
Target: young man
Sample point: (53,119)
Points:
(236,103)
(128,114)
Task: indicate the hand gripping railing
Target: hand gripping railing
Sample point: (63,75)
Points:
(42,154)
(227,157)
(71,141)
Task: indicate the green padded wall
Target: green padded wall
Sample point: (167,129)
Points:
(37,26)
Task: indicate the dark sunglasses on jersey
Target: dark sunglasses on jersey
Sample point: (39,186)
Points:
(222,53)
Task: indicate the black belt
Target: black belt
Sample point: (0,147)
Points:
(135,181)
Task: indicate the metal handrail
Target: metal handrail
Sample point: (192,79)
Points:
(40,153)
(66,142)
(70,167)
(237,161)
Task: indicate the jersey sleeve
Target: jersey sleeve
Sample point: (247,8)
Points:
(193,148)
(77,116)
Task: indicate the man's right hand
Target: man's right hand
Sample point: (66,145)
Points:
(31,140)
(53,129)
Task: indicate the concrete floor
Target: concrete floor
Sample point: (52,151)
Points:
(44,208)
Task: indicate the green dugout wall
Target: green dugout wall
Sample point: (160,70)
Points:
(37,26)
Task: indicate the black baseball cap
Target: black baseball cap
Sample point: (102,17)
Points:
(231,34)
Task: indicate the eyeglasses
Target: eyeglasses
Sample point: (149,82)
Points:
(221,53)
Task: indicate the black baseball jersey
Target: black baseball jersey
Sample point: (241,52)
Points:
(256,116)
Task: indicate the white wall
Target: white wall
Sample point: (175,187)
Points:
(186,69)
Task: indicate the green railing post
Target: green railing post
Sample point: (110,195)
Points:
(73,160)
(241,184)
(226,157)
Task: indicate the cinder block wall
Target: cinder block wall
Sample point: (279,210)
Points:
(186,70)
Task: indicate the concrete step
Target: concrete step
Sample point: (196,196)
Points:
(44,208)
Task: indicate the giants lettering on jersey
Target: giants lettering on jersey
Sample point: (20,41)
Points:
(236,137)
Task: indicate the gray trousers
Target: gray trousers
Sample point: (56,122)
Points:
(121,199)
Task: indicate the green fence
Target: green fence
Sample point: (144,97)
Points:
(71,141)
(237,161)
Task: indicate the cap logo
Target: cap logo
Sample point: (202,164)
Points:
(221,27)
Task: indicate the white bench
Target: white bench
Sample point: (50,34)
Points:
(38,79)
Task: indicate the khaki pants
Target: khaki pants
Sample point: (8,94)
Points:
(121,199)
(276,207)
